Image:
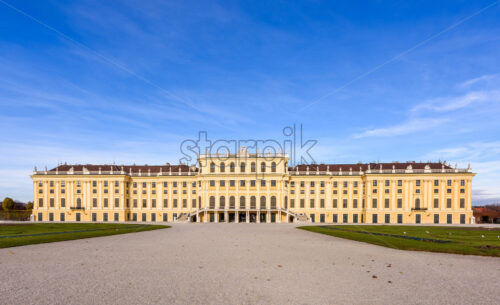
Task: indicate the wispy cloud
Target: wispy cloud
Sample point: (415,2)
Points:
(444,104)
(477,80)
(411,126)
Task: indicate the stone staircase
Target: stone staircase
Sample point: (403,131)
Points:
(302,218)
(183,217)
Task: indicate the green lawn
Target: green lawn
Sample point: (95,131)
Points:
(459,240)
(12,235)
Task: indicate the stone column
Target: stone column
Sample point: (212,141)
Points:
(248,217)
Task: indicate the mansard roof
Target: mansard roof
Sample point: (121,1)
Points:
(366,166)
(126,168)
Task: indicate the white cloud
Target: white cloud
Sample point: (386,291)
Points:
(453,103)
(476,80)
(411,126)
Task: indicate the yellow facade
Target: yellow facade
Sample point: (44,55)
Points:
(255,188)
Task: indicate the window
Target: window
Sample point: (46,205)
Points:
(63,202)
(212,167)
(335,218)
(344,184)
(312,183)
(449,218)
(322,203)
(263,167)
(253,202)
(322,218)
(374,182)
(212,202)
(400,203)
(144,185)
(242,167)
(105,217)
(242,202)
(355,218)
(242,183)
(231,167)
(262,182)
(418,218)
(263,202)
(292,203)
(232,183)
(462,191)
(400,218)
(302,203)
(212,183)
(344,203)
(417,203)
(311,203)
(302,184)
(386,203)
(222,202)
(135,203)
(144,203)
(222,167)
(175,203)
(436,203)
(400,182)
(165,203)
(462,203)
(355,183)
(273,202)
(462,182)
(387,183)
(232,202)
(222,183)
(153,203)
(417,182)
(436,191)
(448,203)
(116,217)
(387,218)
(252,183)
(436,183)
(334,203)
(184,203)
(117,202)
(345,218)
(436,218)
(374,203)
(374,218)
(273,182)
(322,184)
(165,184)
(105,202)
(273,167)
(335,184)
(355,203)
(448,183)
(252,167)
(462,218)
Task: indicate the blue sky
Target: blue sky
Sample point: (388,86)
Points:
(128,81)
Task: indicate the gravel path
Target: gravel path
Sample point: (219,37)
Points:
(239,264)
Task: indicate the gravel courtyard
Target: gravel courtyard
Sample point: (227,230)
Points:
(239,264)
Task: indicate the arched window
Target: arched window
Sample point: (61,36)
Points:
(417,203)
(252,167)
(263,167)
(263,202)
(212,202)
(242,167)
(232,202)
(231,167)
(273,202)
(78,202)
(222,202)
(212,167)
(242,202)
(273,167)
(253,202)
(222,167)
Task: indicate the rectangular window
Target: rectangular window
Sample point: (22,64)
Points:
(449,218)
(345,218)
(374,203)
(387,182)
(165,203)
(322,203)
(400,203)
(105,217)
(62,217)
(344,203)
(63,202)
(117,202)
(355,218)
(335,218)
(436,203)
(400,218)
(292,203)
(105,202)
(135,203)
(436,218)
(374,218)
(242,182)
(462,182)
(153,203)
(222,183)
(144,217)
(134,216)
(436,182)
(94,216)
(448,182)
(374,182)
(193,203)
(51,202)
(184,203)
(386,203)
(448,203)
(175,203)
(334,203)
(144,203)
(262,182)
(40,202)
(165,184)
(322,218)
(335,184)
(387,218)
(355,203)
(165,217)
(311,203)
(252,183)
(462,203)
(462,218)
(212,183)
(302,203)
(116,217)
(417,182)
(400,182)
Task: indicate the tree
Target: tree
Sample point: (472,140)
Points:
(8,204)
(29,205)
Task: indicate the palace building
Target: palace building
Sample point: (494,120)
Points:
(253,187)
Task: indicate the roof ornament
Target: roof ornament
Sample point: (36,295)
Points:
(179,170)
(170,170)
(350,171)
(35,169)
(130,171)
(139,172)
(307,170)
(393,168)
(122,170)
(317,170)
(160,172)
(111,171)
(340,172)
(381,169)
(57,170)
(99,170)
(469,169)
(149,171)
(328,169)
